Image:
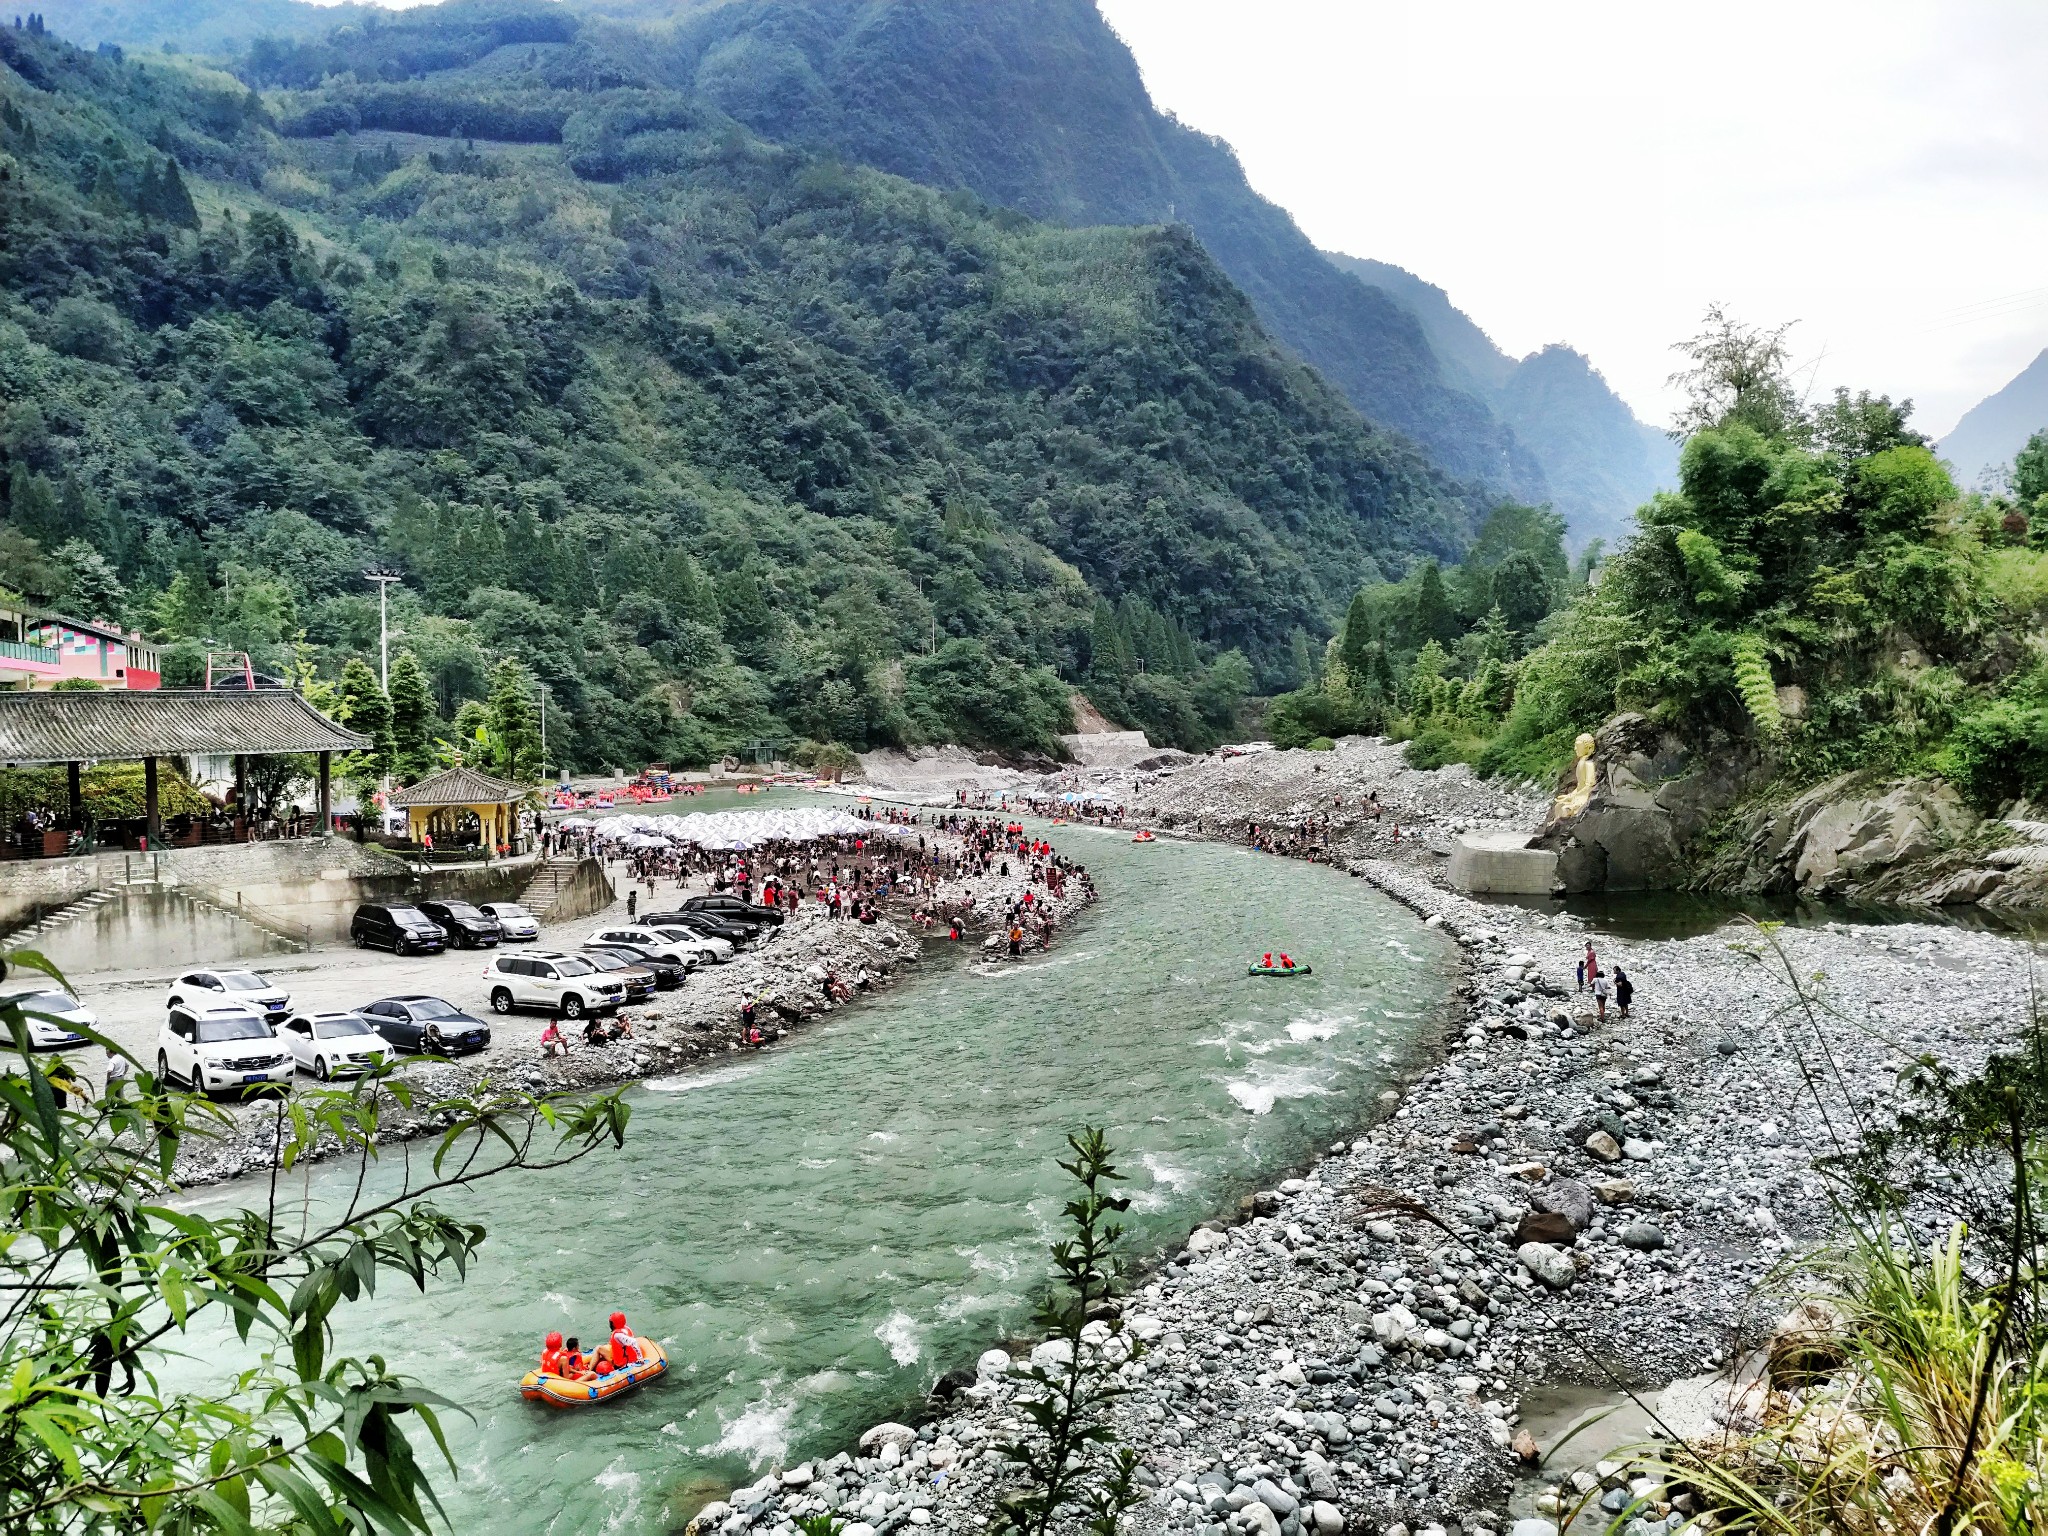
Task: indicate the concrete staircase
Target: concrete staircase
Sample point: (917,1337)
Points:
(550,878)
(30,937)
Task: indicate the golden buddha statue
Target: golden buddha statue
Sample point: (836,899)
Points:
(1586,781)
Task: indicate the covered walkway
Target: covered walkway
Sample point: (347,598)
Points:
(78,729)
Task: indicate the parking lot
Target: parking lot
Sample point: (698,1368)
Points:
(131,1008)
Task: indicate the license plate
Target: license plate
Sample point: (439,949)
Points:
(255,1077)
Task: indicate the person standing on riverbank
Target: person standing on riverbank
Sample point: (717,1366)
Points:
(1624,990)
(1600,991)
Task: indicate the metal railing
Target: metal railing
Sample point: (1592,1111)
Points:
(18,650)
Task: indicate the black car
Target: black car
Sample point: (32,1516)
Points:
(399,928)
(467,927)
(703,923)
(427,1025)
(731,908)
(638,979)
(667,974)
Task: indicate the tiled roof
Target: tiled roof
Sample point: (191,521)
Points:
(67,726)
(459,786)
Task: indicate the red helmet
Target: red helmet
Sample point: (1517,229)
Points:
(554,1341)
(618,1319)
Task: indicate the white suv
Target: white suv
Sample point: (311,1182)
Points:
(333,1043)
(204,987)
(676,944)
(547,979)
(217,1046)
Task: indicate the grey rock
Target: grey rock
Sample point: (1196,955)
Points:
(1569,1198)
(1550,1265)
(1604,1147)
(1275,1498)
(1644,1236)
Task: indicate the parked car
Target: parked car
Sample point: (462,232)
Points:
(670,944)
(703,924)
(334,1043)
(637,979)
(513,920)
(398,928)
(466,926)
(60,1010)
(543,978)
(244,987)
(427,1025)
(213,1047)
(668,974)
(724,904)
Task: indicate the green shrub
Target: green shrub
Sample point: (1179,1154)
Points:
(1998,753)
(1322,744)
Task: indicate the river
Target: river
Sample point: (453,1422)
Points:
(817,1232)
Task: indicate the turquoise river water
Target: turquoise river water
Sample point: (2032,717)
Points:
(817,1232)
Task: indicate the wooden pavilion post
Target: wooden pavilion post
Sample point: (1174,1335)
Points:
(151,820)
(326,792)
(74,798)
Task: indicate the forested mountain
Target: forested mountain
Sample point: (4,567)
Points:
(1601,463)
(1998,426)
(723,440)
(205,27)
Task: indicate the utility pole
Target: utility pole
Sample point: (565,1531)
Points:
(383,578)
(543,733)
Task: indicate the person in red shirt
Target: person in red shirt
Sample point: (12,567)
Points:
(575,1364)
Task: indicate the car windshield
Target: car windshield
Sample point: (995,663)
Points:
(573,967)
(509,909)
(243,981)
(434,1008)
(461,909)
(213,1031)
(45,1002)
(412,917)
(334,1029)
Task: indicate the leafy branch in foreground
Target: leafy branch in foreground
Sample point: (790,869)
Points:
(101,1275)
(1915,1396)
(1072,1462)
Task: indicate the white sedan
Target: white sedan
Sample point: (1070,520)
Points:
(334,1044)
(677,944)
(59,1010)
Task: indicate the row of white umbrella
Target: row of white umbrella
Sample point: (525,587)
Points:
(734,829)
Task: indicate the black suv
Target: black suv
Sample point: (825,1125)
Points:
(705,923)
(467,927)
(397,927)
(732,908)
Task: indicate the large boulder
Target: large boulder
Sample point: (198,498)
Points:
(1908,840)
(1654,795)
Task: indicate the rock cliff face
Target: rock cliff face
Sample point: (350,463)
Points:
(1655,795)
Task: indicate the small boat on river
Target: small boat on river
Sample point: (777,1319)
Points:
(1279,970)
(570,1392)
(1144,837)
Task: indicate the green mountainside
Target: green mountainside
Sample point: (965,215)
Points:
(1601,463)
(722,440)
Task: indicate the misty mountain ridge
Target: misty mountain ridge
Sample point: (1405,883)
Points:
(1601,461)
(1040,108)
(1998,426)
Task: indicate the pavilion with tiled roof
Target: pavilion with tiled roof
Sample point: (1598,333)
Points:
(434,806)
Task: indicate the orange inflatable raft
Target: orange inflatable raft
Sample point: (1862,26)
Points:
(562,1392)
(1143,837)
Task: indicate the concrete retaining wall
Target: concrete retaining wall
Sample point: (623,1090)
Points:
(1501,864)
(155,928)
(589,890)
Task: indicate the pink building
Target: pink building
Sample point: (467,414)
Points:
(40,650)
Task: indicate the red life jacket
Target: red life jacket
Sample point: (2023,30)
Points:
(625,1349)
(551,1363)
(574,1362)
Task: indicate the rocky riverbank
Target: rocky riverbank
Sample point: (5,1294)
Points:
(691,1028)
(1562,1199)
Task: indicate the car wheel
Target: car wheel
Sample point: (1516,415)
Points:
(501,1001)
(572,1006)
(321,1069)
(163,1068)
(359,941)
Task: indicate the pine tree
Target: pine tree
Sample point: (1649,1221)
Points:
(149,196)
(412,711)
(174,200)
(185,611)
(1435,619)
(1361,633)
(366,711)
(514,727)
(106,193)
(32,505)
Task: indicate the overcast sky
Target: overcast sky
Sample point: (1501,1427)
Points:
(1598,173)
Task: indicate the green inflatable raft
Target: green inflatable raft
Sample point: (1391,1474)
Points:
(1278,970)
